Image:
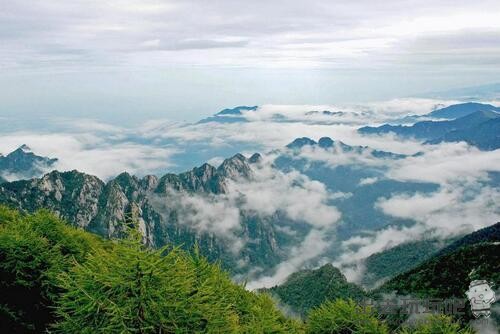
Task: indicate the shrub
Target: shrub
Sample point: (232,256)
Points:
(132,289)
(34,250)
(343,316)
(436,324)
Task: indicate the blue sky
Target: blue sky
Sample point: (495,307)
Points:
(130,61)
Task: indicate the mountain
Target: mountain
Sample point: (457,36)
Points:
(430,130)
(448,273)
(232,115)
(22,163)
(487,234)
(485,136)
(329,143)
(382,266)
(460,110)
(164,208)
(307,289)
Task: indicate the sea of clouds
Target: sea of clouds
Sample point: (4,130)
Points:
(465,199)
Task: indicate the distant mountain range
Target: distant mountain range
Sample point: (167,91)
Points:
(232,115)
(362,185)
(22,163)
(328,143)
(480,128)
(460,110)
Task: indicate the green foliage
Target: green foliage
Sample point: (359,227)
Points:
(397,260)
(449,275)
(34,250)
(131,289)
(341,317)
(307,289)
(436,324)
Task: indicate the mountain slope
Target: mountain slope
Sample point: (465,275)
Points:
(487,234)
(448,274)
(307,289)
(397,260)
(430,130)
(460,110)
(485,136)
(22,163)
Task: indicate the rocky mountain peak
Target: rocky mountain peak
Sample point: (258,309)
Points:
(22,163)
(255,158)
(301,142)
(234,167)
(325,142)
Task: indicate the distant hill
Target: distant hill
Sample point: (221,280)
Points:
(230,115)
(460,110)
(307,289)
(432,131)
(485,136)
(22,163)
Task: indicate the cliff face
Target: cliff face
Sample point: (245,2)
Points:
(106,209)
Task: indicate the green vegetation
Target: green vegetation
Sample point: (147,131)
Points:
(449,275)
(344,317)
(307,289)
(34,249)
(59,278)
(56,278)
(397,260)
(436,324)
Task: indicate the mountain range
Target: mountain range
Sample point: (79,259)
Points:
(105,208)
(480,128)
(159,203)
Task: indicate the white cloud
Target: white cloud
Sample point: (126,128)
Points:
(92,153)
(368,181)
(445,163)
(267,192)
(311,247)
(464,202)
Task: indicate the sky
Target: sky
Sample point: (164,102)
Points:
(128,61)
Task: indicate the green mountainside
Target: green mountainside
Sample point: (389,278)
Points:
(307,289)
(448,274)
(397,260)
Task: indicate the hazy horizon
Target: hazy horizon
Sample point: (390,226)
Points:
(130,61)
